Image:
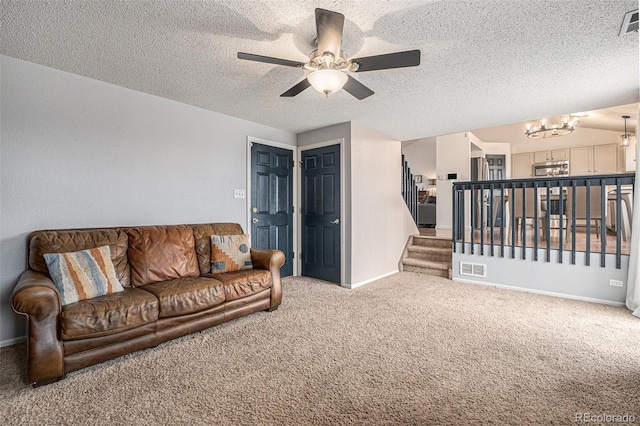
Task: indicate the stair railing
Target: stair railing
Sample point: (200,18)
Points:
(492,215)
(409,190)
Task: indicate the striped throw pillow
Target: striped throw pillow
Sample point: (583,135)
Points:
(230,253)
(83,274)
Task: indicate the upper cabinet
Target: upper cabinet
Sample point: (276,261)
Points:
(627,159)
(521,165)
(554,155)
(605,159)
(581,161)
(590,160)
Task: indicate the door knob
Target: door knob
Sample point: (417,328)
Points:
(335,222)
(254,220)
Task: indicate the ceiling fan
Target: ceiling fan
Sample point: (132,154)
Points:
(328,64)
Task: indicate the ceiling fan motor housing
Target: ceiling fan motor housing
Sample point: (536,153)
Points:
(328,61)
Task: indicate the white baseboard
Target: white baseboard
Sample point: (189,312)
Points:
(543,292)
(10,342)
(361,283)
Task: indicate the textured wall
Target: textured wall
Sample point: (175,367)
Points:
(78,152)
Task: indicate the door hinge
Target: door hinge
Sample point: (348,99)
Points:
(293,255)
(293,163)
(293,209)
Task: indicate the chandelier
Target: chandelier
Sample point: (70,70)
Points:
(545,129)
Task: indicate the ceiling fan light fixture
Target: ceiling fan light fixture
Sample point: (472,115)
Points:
(328,64)
(327,81)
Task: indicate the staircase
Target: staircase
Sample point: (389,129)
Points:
(427,255)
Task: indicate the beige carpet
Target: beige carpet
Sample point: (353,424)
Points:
(409,349)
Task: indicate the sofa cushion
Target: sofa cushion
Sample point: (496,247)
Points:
(202,234)
(161,253)
(108,314)
(65,241)
(183,296)
(244,283)
(230,253)
(83,274)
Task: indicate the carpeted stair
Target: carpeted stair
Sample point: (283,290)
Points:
(427,255)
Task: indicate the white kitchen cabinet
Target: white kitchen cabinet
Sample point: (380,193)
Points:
(628,157)
(541,156)
(521,165)
(553,155)
(605,159)
(559,154)
(581,161)
(590,160)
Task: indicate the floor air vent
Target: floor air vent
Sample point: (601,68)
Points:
(473,269)
(629,23)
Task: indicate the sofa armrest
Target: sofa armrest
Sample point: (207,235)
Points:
(272,261)
(36,297)
(267,259)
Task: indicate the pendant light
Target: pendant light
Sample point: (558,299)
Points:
(625,137)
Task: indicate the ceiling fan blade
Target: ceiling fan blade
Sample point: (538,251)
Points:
(269,60)
(304,84)
(357,89)
(329,27)
(409,58)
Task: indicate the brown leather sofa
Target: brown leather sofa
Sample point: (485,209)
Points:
(169,291)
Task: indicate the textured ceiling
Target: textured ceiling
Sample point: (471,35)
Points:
(484,63)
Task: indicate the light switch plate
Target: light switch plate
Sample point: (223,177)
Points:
(238,193)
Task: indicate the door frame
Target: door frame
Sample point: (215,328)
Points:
(345,220)
(295,200)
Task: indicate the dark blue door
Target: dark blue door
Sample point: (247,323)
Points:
(321,213)
(272,201)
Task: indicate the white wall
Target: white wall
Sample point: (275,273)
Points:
(452,156)
(421,157)
(77,152)
(560,279)
(380,220)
